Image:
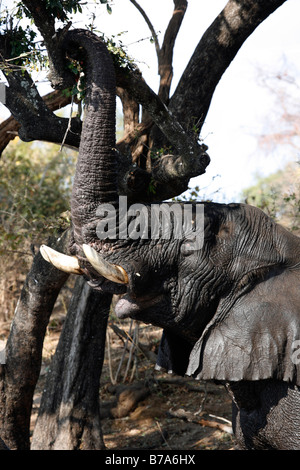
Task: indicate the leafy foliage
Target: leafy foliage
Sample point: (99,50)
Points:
(21,43)
(17,24)
(278,195)
(35,184)
(59,9)
(22,48)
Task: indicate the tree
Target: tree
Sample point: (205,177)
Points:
(158,154)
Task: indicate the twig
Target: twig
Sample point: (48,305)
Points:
(26,253)
(202,401)
(109,358)
(123,354)
(190,417)
(68,126)
(135,363)
(131,350)
(150,26)
(220,418)
(162,434)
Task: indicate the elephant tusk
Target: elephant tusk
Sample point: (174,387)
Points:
(110,271)
(68,264)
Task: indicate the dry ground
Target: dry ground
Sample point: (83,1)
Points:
(147,409)
(169,412)
(143,408)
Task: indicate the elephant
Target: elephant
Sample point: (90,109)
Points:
(229,309)
(3,446)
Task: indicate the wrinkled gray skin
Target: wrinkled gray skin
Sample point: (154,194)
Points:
(230,311)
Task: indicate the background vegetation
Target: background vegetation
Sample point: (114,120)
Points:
(279,196)
(35,187)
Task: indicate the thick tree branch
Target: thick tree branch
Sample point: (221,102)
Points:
(193,158)
(55,100)
(8,131)
(59,76)
(34,114)
(165,56)
(213,55)
(130,111)
(165,52)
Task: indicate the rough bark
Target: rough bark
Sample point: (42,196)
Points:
(19,375)
(44,20)
(213,55)
(69,417)
(55,100)
(35,114)
(165,52)
(165,56)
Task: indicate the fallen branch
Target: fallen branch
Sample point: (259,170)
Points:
(191,418)
(191,384)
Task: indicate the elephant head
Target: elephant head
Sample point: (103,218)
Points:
(230,307)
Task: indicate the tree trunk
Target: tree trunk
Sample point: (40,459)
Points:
(69,417)
(18,376)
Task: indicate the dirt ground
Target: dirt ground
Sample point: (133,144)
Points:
(146,409)
(152,410)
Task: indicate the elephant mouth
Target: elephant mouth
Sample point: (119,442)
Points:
(138,308)
(104,285)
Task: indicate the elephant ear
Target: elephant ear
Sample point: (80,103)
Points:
(258,338)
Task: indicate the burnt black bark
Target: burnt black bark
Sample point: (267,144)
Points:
(18,377)
(44,16)
(69,416)
(53,129)
(36,119)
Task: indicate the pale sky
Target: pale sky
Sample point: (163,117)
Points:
(241,106)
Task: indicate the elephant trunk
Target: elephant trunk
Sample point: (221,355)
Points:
(95,180)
